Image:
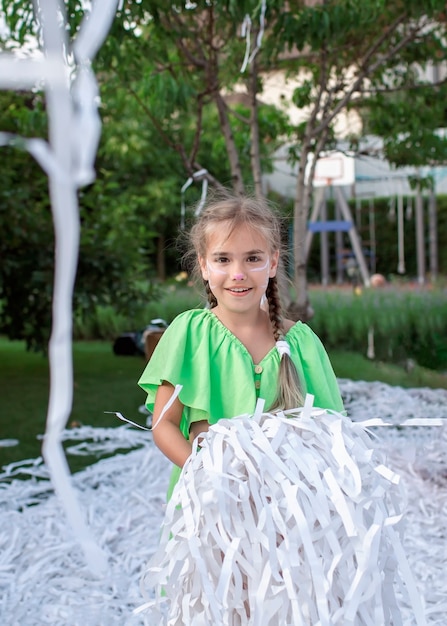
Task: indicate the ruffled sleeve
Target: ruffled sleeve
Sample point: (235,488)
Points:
(314,367)
(199,353)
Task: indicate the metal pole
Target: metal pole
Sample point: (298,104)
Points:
(324,247)
(433,235)
(354,238)
(339,249)
(400,235)
(372,236)
(318,199)
(420,239)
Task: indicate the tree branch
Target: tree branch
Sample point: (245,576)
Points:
(238,116)
(366,70)
(413,87)
(197,61)
(165,137)
(198,131)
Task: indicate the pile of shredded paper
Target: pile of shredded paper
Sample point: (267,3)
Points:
(246,534)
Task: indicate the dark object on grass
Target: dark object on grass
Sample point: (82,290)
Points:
(133,343)
(126,345)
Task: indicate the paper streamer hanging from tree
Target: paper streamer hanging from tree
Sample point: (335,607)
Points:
(68,159)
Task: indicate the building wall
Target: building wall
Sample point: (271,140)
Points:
(374,177)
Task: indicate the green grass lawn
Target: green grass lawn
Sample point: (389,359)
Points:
(106,382)
(102,382)
(358,367)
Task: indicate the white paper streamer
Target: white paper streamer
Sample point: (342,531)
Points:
(121,417)
(422,421)
(43,575)
(306,410)
(167,406)
(246,32)
(199,175)
(41,151)
(283,348)
(259,408)
(68,159)
(26,73)
(8,443)
(281,520)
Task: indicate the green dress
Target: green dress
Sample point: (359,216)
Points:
(219,377)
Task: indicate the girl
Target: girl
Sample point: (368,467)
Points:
(274,520)
(241,348)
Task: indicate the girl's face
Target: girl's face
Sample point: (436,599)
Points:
(238,267)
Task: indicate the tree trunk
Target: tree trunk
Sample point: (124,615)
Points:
(233,157)
(300,308)
(161,260)
(254,130)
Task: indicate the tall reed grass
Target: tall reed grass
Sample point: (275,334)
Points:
(403,324)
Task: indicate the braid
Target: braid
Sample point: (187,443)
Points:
(289,394)
(275,309)
(211,297)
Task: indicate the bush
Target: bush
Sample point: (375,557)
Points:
(106,322)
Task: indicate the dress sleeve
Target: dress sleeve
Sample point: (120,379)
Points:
(314,367)
(175,360)
(214,368)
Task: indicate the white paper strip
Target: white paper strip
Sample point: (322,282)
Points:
(121,417)
(124,497)
(167,406)
(26,73)
(68,159)
(283,520)
(200,174)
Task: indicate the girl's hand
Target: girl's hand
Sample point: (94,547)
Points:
(196,428)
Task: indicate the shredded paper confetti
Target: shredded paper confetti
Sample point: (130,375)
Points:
(283,519)
(44,577)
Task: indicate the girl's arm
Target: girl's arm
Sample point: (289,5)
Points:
(167,434)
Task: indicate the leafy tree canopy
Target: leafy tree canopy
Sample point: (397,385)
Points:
(174,101)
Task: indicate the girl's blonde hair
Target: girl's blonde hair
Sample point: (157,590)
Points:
(259,215)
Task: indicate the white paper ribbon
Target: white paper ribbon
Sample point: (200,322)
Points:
(296,518)
(283,348)
(307,406)
(68,158)
(167,406)
(246,32)
(121,417)
(199,175)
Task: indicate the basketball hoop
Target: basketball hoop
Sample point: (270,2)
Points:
(334,168)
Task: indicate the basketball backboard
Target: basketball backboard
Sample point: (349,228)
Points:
(332,168)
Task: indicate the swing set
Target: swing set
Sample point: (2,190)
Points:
(334,171)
